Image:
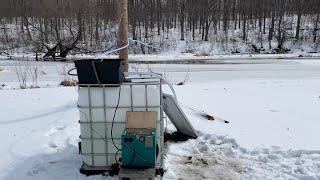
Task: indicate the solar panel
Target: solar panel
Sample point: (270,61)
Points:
(177,116)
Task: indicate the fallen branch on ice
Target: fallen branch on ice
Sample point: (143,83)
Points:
(206,115)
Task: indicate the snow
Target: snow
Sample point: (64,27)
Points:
(40,135)
(257,104)
(174,55)
(180,54)
(49,73)
(272,106)
(218,157)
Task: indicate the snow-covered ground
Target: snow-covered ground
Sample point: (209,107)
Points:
(177,55)
(273,109)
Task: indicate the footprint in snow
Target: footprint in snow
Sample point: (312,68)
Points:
(61,128)
(273,110)
(52,145)
(37,169)
(54,130)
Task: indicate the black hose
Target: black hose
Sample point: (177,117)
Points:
(70,74)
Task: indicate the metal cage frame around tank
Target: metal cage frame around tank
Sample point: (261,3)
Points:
(160,138)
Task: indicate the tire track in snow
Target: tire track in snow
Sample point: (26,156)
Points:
(66,107)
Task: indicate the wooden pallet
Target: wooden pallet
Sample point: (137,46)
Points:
(136,174)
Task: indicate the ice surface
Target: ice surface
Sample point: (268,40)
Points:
(273,109)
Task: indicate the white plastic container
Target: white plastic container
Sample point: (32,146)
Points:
(97,106)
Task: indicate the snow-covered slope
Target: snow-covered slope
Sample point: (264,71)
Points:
(273,111)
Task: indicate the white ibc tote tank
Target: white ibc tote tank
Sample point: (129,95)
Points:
(97,106)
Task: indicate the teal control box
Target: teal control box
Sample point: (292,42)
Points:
(138,150)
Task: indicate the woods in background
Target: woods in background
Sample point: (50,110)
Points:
(58,27)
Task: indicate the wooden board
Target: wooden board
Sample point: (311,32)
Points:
(141,120)
(137,174)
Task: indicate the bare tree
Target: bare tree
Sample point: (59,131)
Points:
(58,31)
(22,69)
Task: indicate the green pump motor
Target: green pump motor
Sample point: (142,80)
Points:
(138,141)
(138,150)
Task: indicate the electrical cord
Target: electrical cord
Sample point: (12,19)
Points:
(123,47)
(114,115)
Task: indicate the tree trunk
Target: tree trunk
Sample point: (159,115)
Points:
(271,30)
(182,21)
(264,24)
(122,15)
(260,32)
(315,30)
(206,37)
(193,29)
(298,26)
(97,29)
(244,32)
